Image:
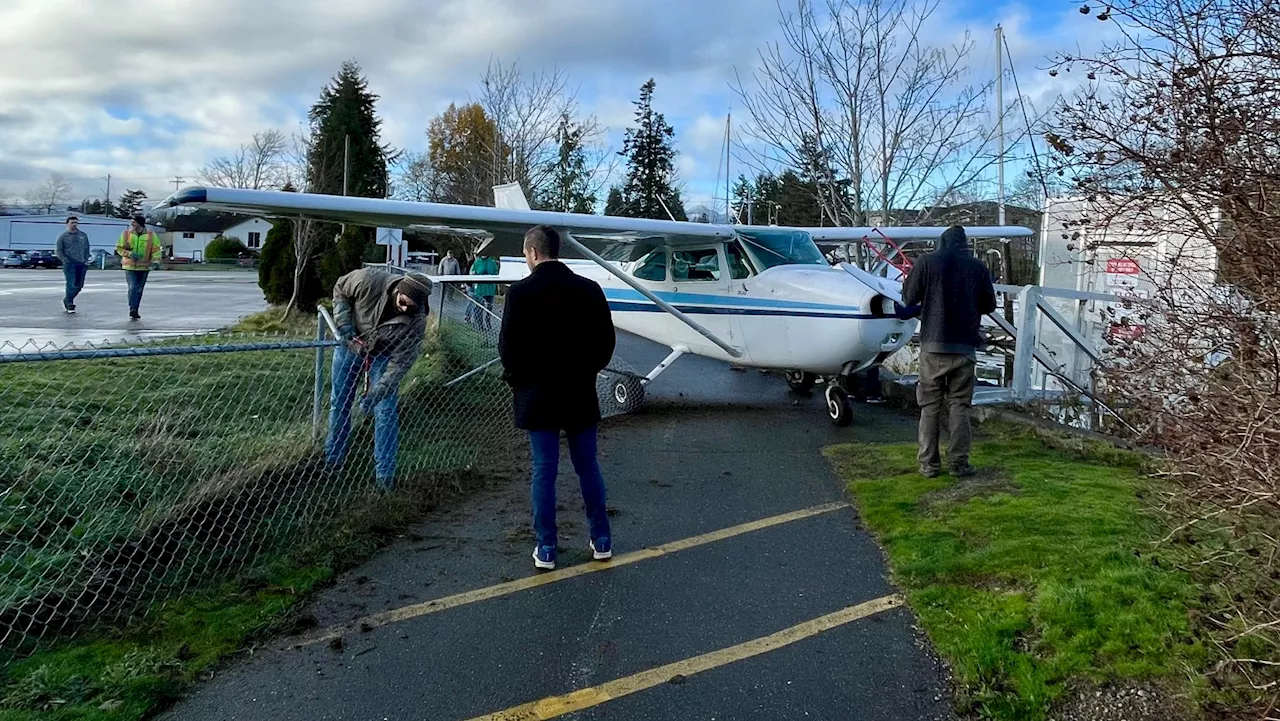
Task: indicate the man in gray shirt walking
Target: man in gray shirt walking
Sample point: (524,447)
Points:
(73,250)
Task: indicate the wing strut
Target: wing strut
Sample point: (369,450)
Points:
(651,296)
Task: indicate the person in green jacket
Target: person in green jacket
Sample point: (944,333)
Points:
(484,292)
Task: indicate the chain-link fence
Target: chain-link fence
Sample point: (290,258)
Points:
(131,474)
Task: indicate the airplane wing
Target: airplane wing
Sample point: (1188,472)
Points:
(839,236)
(499,230)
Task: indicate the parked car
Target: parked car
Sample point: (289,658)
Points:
(45,259)
(15,259)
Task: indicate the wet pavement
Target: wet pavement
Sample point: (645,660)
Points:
(711,449)
(173,303)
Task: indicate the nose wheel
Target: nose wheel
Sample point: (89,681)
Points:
(839,406)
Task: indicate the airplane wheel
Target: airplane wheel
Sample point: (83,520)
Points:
(626,392)
(800,382)
(839,407)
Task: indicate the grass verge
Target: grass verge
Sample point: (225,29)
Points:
(138,670)
(1034,577)
(117,458)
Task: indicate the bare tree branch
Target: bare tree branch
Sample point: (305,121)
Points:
(855,99)
(53,193)
(258,165)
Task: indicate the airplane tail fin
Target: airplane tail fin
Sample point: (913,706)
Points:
(509,197)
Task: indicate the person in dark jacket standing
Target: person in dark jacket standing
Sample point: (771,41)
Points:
(951,290)
(556,336)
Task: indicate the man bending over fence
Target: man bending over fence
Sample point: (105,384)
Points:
(382,319)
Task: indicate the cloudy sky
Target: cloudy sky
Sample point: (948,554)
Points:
(150,90)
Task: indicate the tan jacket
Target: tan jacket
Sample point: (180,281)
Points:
(361,299)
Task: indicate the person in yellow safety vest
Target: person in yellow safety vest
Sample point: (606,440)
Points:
(138,248)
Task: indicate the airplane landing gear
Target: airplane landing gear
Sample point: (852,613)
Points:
(839,406)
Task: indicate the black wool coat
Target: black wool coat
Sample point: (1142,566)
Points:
(557,335)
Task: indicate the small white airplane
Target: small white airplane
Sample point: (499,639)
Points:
(756,296)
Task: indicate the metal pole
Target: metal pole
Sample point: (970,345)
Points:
(319,378)
(734,352)
(1000,125)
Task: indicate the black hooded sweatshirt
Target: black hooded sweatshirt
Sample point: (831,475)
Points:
(951,291)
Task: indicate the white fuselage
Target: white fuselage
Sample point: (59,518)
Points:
(814,318)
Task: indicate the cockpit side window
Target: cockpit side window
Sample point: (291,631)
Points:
(695,265)
(653,267)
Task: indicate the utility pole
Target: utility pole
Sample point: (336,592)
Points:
(108,188)
(346,167)
(177,181)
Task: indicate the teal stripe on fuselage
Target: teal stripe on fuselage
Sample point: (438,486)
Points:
(629,295)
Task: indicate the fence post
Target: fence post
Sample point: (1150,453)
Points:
(1025,345)
(319,378)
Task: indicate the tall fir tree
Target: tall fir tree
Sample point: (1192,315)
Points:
(614,204)
(345,112)
(650,152)
(568,189)
(130,203)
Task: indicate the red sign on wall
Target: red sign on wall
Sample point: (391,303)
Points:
(1123,266)
(1126,332)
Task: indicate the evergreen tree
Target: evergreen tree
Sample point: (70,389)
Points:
(798,200)
(276,265)
(650,163)
(130,203)
(345,114)
(569,187)
(615,204)
(743,195)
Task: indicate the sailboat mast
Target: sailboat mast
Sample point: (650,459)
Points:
(1000,123)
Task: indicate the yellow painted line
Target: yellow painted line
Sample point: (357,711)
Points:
(549,708)
(405,613)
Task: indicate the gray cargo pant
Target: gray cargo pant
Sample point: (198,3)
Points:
(945,378)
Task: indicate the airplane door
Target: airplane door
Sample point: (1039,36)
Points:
(700,285)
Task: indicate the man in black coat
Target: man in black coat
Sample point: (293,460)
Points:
(557,335)
(952,291)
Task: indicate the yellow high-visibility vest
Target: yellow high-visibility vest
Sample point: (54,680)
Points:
(130,257)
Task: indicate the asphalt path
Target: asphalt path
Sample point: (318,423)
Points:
(711,449)
(173,303)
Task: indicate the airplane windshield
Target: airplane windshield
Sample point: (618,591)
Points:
(772,247)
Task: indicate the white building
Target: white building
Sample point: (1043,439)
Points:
(1129,257)
(187,235)
(40,232)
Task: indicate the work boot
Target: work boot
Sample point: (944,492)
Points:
(964,471)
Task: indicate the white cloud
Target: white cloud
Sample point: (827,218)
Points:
(146,90)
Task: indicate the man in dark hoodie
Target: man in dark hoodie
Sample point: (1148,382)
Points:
(951,290)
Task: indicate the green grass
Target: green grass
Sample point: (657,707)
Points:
(208,465)
(1035,574)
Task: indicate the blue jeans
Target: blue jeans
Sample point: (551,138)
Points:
(546,466)
(347,367)
(74,273)
(136,279)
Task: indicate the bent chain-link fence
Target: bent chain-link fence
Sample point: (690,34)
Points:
(132,474)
